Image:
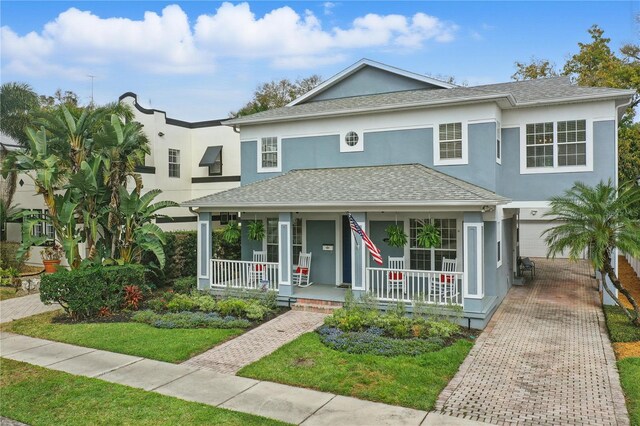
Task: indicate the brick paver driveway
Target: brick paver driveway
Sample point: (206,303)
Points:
(25,306)
(545,357)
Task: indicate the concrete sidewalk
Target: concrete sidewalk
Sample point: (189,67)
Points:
(281,402)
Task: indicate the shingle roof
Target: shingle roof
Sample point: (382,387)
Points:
(395,185)
(517,93)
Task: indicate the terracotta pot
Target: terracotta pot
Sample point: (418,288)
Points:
(51,266)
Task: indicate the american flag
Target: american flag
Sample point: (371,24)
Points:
(375,252)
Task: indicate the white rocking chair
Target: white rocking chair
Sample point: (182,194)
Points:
(258,267)
(447,285)
(397,279)
(302,271)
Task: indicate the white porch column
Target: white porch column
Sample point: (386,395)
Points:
(204,250)
(285,252)
(473,253)
(359,256)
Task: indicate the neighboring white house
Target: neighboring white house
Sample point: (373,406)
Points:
(393,147)
(187,160)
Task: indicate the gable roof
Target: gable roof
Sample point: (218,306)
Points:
(509,95)
(406,185)
(342,75)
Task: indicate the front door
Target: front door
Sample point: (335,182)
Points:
(321,243)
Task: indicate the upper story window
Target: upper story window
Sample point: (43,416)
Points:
(174,163)
(352,142)
(451,146)
(563,146)
(212,159)
(269,155)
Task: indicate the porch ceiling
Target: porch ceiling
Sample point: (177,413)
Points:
(408,185)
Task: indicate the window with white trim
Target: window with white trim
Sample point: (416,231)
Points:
(431,259)
(450,141)
(296,239)
(272,239)
(269,153)
(174,163)
(41,227)
(559,146)
(539,139)
(572,143)
(498,143)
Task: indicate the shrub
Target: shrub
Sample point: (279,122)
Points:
(204,302)
(181,302)
(372,341)
(443,329)
(232,306)
(185,284)
(223,249)
(255,311)
(82,293)
(8,253)
(189,320)
(181,254)
(132,297)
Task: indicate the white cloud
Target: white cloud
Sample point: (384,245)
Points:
(328,8)
(78,41)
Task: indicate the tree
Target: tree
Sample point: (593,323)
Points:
(599,219)
(68,98)
(276,94)
(17,100)
(536,68)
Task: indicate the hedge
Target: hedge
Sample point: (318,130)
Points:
(88,292)
(8,255)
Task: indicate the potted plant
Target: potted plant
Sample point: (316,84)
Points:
(256,230)
(396,236)
(51,257)
(231,233)
(428,236)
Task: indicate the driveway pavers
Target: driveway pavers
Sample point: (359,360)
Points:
(22,307)
(544,358)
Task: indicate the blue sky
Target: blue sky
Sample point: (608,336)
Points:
(199,60)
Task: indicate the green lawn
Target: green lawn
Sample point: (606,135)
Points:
(630,379)
(620,329)
(171,345)
(402,380)
(38,396)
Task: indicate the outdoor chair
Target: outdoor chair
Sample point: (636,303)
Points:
(526,265)
(446,285)
(302,271)
(397,279)
(257,270)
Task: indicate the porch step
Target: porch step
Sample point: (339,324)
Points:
(314,305)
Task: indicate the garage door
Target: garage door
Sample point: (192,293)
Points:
(531,243)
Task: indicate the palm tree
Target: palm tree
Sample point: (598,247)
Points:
(17,100)
(601,219)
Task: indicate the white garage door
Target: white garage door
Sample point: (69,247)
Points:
(531,243)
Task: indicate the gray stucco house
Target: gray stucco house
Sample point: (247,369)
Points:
(392,147)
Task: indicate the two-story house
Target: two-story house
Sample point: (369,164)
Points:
(390,147)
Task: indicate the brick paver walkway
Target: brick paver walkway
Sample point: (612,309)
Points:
(231,356)
(21,307)
(545,357)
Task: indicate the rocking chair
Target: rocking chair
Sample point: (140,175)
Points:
(302,271)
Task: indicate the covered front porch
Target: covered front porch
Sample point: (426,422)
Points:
(313,220)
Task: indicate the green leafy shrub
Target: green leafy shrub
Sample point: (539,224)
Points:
(204,302)
(232,306)
(443,329)
(185,284)
(255,311)
(82,293)
(189,320)
(8,255)
(181,254)
(351,319)
(223,249)
(181,302)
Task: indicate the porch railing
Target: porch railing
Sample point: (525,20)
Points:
(244,274)
(435,287)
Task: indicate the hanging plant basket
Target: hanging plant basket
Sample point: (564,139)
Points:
(231,233)
(256,230)
(428,236)
(396,236)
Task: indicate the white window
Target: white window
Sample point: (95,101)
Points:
(297,239)
(174,163)
(498,143)
(269,155)
(272,239)
(451,145)
(352,141)
(563,146)
(572,143)
(431,259)
(42,228)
